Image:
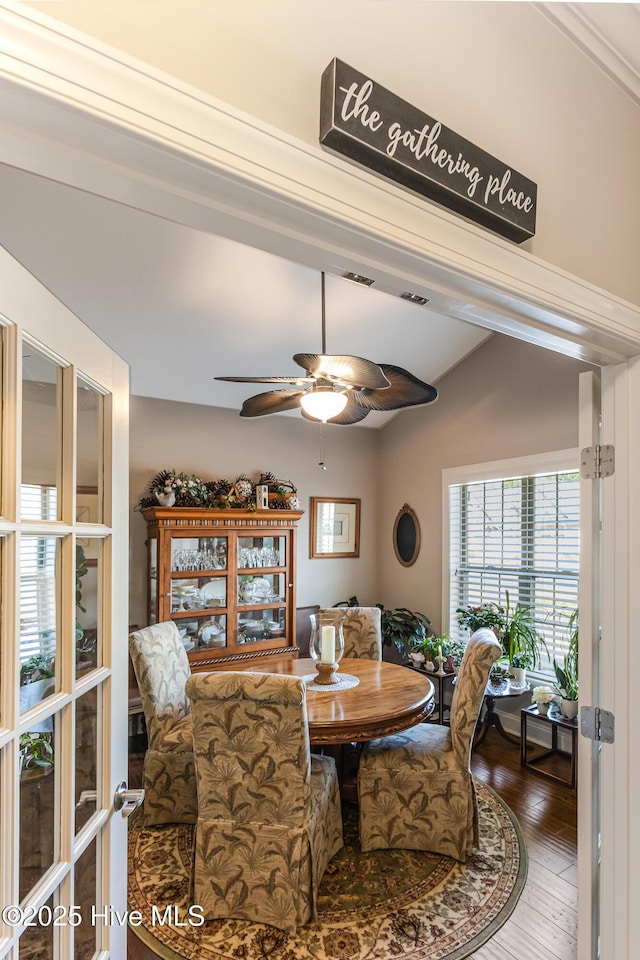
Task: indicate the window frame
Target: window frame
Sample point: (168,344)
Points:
(559,461)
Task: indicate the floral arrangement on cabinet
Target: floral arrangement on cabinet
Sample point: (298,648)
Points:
(170,488)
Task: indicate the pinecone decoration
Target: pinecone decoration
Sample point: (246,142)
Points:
(278,503)
(243,488)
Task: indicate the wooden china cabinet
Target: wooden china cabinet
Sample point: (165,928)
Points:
(227,579)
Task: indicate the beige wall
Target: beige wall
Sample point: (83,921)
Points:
(499,74)
(215,443)
(508,399)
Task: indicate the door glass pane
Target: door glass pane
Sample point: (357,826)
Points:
(36,943)
(1,396)
(88,578)
(40,416)
(2,550)
(37,798)
(86,898)
(89,452)
(86,756)
(38,619)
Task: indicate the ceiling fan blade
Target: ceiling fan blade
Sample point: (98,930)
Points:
(405,391)
(355,371)
(274,401)
(265,379)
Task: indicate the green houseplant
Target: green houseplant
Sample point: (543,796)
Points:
(512,624)
(404,629)
(567,675)
(36,753)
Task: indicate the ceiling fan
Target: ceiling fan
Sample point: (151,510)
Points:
(341,389)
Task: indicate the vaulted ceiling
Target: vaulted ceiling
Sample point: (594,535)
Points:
(182,306)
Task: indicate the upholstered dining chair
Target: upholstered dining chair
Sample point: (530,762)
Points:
(415,789)
(269,818)
(361,629)
(161,667)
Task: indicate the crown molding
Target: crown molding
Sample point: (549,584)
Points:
(578,22)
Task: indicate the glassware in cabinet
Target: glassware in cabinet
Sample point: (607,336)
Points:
(227,578)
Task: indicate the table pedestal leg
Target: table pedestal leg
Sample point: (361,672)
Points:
(491,719)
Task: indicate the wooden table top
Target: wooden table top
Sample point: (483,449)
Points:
(388,698)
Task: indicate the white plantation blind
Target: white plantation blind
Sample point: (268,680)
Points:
(519,535)
(38,576)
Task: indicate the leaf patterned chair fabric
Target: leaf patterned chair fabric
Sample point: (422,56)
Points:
(169,779)
(361,629)
(269,818)
(415,788)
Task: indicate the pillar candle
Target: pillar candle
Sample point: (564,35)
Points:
(328,644)
(439,652)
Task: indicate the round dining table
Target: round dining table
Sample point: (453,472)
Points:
(388,698)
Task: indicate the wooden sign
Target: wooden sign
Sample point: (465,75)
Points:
(365,122)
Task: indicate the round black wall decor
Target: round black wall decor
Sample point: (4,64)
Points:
(406,536)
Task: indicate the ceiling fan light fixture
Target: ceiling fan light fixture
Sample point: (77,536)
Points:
(323,403)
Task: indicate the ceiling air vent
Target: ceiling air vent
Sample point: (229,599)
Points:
(358,278)
(414,298)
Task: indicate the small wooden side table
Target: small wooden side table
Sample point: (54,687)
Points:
(492,693)
(441,682)
(557,722)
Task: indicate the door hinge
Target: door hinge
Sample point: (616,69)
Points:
(597,724)
(597,462)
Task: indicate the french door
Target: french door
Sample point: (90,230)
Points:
(63,630)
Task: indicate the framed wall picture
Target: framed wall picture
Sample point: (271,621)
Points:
(335,527)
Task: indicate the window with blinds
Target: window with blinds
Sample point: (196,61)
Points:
(519,535)
(38,623)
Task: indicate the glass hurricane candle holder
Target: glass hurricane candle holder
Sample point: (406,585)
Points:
(326,645)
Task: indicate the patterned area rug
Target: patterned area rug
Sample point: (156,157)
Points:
(398,904)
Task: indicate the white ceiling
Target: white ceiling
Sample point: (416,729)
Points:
(183,306)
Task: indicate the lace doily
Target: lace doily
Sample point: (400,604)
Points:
(345,682)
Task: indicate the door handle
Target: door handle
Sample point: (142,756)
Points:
(87,796)
(127,800)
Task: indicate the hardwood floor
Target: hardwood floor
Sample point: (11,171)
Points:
(544,923)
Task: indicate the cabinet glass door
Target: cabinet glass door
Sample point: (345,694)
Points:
(198,553)
(261,624)
(198,590)
(255,553)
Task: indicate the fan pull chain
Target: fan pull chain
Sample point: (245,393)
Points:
(324,319)
(323,435)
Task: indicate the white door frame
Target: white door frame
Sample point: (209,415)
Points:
(620,662)
(98,120)
(28,308)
